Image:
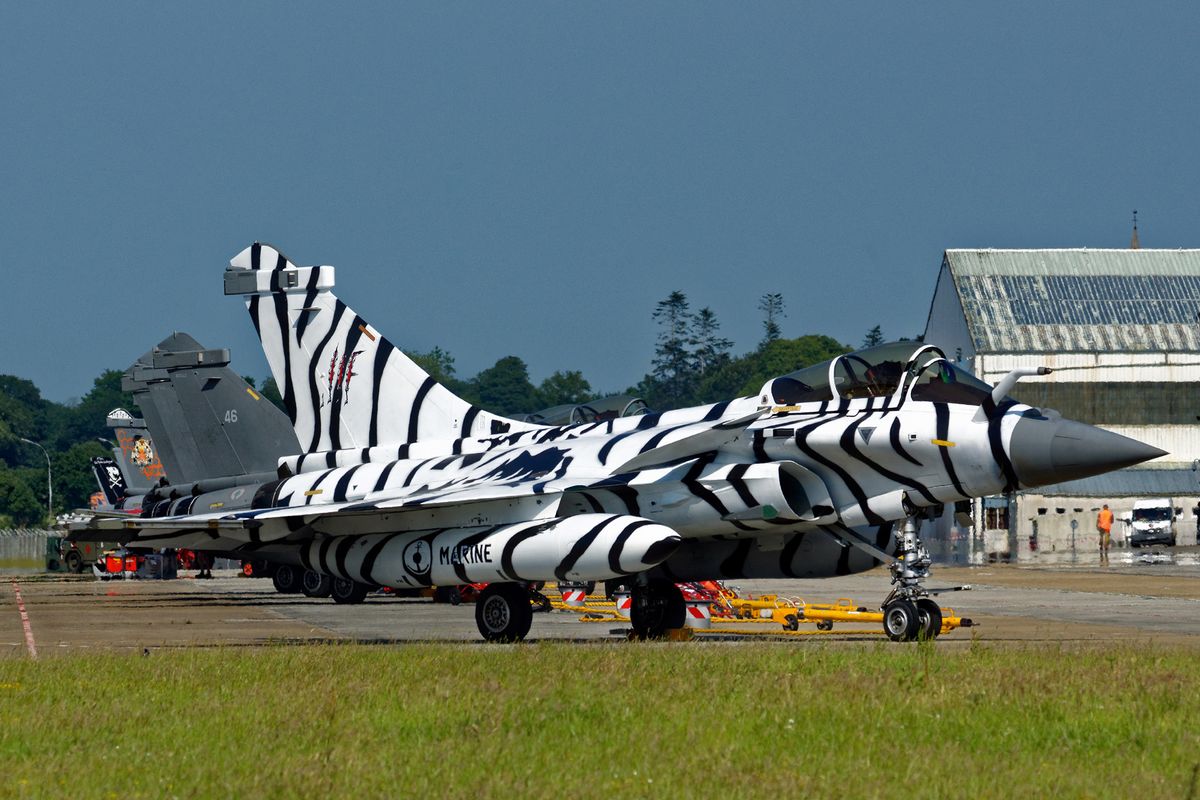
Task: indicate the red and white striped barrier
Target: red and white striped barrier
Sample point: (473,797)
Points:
(624,602)
(29,643)
(699,614)
(574,597)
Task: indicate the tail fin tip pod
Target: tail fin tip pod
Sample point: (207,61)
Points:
(343,383)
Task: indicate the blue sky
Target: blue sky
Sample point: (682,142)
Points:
(530,179)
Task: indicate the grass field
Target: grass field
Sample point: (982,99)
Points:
(605,721)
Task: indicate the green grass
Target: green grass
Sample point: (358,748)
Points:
(605,721)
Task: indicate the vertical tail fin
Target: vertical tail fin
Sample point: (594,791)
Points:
(206,420)
(344,384)
(109,479)
(136,454)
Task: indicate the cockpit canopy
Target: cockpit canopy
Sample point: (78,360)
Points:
(881,371)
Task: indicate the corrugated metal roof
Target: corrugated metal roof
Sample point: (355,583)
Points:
(1019,301)
(1127,483)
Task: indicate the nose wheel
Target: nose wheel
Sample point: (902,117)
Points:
(908,612)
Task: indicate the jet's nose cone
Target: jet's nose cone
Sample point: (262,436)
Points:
(1045,451)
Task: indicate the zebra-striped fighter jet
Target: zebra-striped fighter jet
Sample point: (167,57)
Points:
(826,471)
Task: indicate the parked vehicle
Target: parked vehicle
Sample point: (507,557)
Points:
(78,556)
(1153,522)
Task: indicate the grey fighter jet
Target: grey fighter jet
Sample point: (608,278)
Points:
(823,472)
(203,427)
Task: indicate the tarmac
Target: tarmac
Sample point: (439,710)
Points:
(1052,602)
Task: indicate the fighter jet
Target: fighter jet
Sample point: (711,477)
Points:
(204,428)
(206,431)
(826,471)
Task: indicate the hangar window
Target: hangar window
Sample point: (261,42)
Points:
(995,518)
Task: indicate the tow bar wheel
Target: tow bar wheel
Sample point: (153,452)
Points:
(900,621)
(503,613)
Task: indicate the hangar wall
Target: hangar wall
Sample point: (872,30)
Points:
(1121,332)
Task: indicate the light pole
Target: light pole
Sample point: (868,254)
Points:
(49,480)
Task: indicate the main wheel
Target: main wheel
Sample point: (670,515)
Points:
(503,613)
(347,591)
(287,579)
(900,621)
(74,561)
(656,609)
(930,615)
(314,584)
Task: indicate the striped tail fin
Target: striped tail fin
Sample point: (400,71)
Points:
(344,384)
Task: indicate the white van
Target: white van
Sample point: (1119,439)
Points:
(1153,522)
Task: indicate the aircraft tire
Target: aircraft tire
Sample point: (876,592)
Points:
(930,615)
(503,612)
(74,561)
(657,609)
(287,579)
(347,591)
(900,621)
(314,584)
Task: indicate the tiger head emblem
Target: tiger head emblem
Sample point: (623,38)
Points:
(142,453)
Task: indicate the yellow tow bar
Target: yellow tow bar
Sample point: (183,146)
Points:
(772,610)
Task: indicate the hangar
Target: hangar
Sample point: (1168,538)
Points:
(1121,330)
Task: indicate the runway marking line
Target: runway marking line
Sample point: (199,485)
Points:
(29,643)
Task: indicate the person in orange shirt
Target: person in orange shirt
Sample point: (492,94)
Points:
(1104,523)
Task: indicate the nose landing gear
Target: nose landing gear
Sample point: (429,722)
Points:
(909,612)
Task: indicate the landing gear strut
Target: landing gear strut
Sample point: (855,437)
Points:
(908,612)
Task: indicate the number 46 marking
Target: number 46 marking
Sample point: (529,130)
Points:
(230,416)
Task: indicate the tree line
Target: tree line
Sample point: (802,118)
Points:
(692,365)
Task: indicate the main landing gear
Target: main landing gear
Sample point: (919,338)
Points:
(316,584)
(503,612)
(287,579)
(346,591)
(908,612)
(657,607)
